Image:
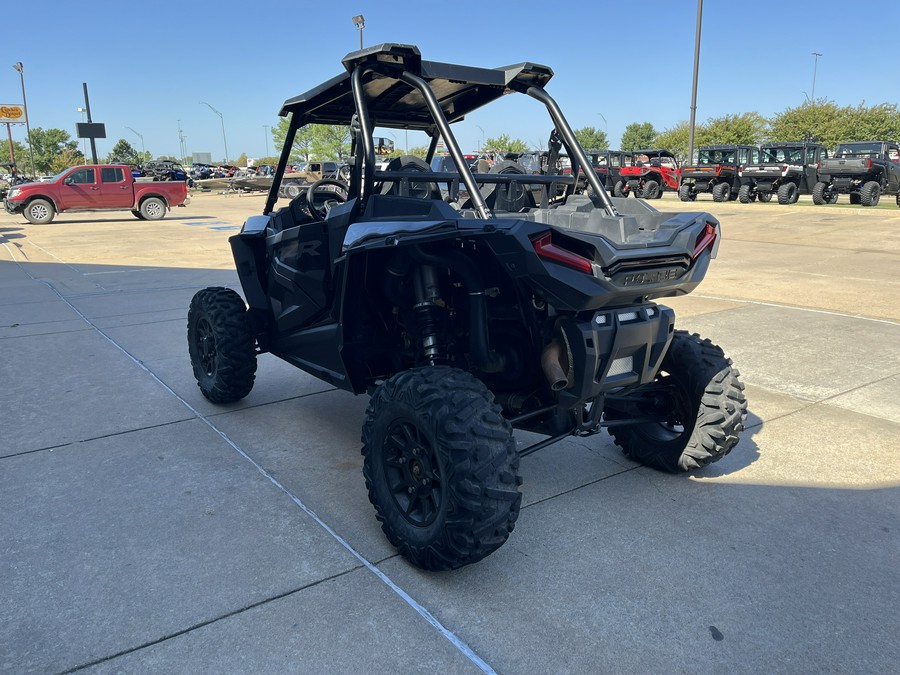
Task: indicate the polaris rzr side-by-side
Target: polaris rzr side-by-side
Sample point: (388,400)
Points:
(652,172)
(465,318)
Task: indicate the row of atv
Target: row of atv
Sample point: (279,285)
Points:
(862,170)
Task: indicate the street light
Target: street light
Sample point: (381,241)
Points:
(694,88)
(266,127)
(360,22)
(143,149)
(482,137)
(222,120)
(815,65)
(83,140)
(21,70)
(605,124)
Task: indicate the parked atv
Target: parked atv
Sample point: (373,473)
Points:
(787,170)
(467,317)
(652,173)
(716,171)
(863,170)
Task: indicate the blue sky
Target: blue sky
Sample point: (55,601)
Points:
(148,65)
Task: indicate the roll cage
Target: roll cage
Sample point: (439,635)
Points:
(390,86)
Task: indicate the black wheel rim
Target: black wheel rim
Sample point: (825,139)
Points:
(412,470)
(206,346)
(666,400)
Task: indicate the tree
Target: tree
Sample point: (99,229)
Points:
(330,141)
(123,153)
(638,135)
(745,129)
(242,160)
(20,151)
(503,143)
(65,160)
(302,148)
(419,151)
(48,145)
(592,139)
(676,140)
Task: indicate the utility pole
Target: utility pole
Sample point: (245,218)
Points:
(694,89)
(815,66)
(21,70)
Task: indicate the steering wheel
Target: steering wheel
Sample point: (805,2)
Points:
(328,198)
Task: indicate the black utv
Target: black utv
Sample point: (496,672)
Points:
(716,171)
(467,317)
(864,170)
(786,170)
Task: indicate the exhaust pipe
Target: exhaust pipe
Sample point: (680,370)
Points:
(555,364)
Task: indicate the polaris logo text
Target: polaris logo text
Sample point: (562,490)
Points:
(652,277)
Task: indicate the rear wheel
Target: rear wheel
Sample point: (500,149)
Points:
(39,212)
(721,192)
(441,467)
(820,193)
(686,193)
(619,189)
(221,345)
(700,392)
(153,208)
(651,190)
(787,193)
(746,194)
(870,194)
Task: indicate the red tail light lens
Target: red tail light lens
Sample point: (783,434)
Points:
(706,239)
(545,248)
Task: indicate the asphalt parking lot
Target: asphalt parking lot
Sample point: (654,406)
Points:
(147,530)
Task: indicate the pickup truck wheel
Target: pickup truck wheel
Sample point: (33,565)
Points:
(787,193)
(721,192)
(153,208)
(619,189)
(700,391)
(221,345)
(39,212)
(137,214)
(651,190)
(686,193)
(746,194)
(441,467)
(292,190)
(870,194)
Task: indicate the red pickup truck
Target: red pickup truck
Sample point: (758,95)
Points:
(95,188)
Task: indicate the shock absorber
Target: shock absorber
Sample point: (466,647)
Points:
(428,309)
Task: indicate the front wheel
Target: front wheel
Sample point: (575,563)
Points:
(221,345)
(820,193)
(764,197)
(137,214)
(619,189)
(787,193)
(39,212)
(153,208)
(746,194)
(441,467)
(699,391)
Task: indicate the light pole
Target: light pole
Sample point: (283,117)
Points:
(815,66)
(21,70)
(266,127)
(605,127)
(482,137)
(360,23)
(694,88)
(222,120)
(83,140)
(143,149)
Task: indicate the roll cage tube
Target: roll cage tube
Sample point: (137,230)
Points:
(573,146)
(438,115)
(366,130)
(282,165)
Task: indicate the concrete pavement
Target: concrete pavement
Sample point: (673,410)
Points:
(147,530)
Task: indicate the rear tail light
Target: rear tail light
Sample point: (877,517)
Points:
(706,240)
(545,248)
(869,163)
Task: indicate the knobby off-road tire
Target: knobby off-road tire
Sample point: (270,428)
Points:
(619,189)
(709,412)
(787,193)
(854,198)
(870,194)
(721,192)
(651,190)
(745,194)
(686,193)
(221,345)
(764,196)
(39,212)
(441,467)
(819,193)
(153,208)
